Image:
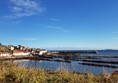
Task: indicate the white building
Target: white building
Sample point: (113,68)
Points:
(43,52)
(12,48)
(5,54)
(20,53)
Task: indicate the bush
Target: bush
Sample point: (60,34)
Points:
(10,73)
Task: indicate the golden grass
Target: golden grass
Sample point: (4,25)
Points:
(10,73)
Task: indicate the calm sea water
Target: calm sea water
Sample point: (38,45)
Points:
(73,66)
(107,53)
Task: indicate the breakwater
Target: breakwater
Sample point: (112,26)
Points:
(73,61)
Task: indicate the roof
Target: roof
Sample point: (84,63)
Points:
(4,53)
(19,51)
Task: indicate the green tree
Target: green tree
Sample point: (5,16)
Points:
(0,44)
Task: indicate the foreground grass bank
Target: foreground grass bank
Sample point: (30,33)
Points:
(10,73)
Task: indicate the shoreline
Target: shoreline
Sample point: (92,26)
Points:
(67,59)
(11,73)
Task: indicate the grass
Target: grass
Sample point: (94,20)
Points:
(10,73)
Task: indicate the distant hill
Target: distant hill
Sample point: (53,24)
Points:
(108,50)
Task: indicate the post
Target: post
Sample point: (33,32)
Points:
(12,48)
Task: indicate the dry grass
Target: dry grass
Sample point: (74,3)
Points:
(10,73)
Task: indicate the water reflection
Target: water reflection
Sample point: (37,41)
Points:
(53,65)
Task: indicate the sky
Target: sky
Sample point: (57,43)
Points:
(64,24)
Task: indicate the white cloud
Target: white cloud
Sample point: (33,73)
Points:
(58,28)
(15,22)
(55,19)
(29,39)
(21,8)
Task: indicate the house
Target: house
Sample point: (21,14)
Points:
(20,53)
(5,54)
(43,52)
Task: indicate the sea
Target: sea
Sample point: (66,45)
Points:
(74,66)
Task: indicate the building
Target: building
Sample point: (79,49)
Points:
(5,54)
(43,52)
(20,53)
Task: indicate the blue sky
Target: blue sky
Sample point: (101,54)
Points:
(72,24)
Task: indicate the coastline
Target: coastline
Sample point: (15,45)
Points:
(12,73)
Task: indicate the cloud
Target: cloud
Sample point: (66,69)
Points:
(23,8)
(29,39)
(55,19)
(58,28)
(14,22)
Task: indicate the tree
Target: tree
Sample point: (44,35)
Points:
(0,44)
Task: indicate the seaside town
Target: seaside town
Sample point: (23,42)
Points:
(59,41)
(15,72)
(19,50)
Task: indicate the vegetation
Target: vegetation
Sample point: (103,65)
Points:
(4,49)
(0,44)
(10,73)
